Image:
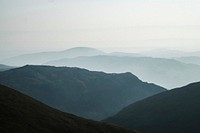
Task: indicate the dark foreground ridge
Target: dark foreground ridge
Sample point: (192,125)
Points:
(88,94)
(22,114)
(174,111)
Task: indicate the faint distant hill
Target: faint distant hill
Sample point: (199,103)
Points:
(166,53)
(122,54)
(197,53)
(5,67)
(174,111)
(40,58)
(190,59)
(164,72)
(22,114)
(94,95)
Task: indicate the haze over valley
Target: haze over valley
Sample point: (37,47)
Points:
(99,66)
(158,66)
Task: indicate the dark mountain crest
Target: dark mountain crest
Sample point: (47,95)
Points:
(37,67)
(173,111)
(89,94)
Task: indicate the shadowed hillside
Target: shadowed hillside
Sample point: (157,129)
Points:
(174,111)
(22,114)
(94,95)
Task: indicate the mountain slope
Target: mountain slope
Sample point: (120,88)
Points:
(174,111)
(22,114)
(40,58)
(155,70)
(94,95)
(5,67)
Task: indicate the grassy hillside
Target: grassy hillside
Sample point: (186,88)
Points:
(174,111)
(22,114)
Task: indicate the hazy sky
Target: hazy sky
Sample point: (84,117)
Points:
(40,25)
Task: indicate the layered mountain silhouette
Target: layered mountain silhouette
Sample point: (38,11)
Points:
(123,54)
(160,71)
(174,111)
(190,60)
(94,95)
(167,53)
(22,114)
(155,70)
(40,58)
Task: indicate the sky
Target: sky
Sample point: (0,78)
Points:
(110,25)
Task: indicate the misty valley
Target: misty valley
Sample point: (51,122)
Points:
(87,90)
(99,66)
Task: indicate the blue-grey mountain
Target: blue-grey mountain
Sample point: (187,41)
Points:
(169,73)
(174,111)
(40,58)
(94,95)
(190,60)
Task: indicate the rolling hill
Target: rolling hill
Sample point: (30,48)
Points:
(174,111)
(40,58)
(22,114)
(155,70)
(94,95)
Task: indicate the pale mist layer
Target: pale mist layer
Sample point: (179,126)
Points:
(167,71)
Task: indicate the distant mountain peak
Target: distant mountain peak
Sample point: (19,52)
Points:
(86,49)
(43,57)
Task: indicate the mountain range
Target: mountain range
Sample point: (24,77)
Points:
(89,94)
(174,111)
(22,114)
(42,57)
(161,71)
(155,70)
(114,95)
(190,60)
(168,53)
